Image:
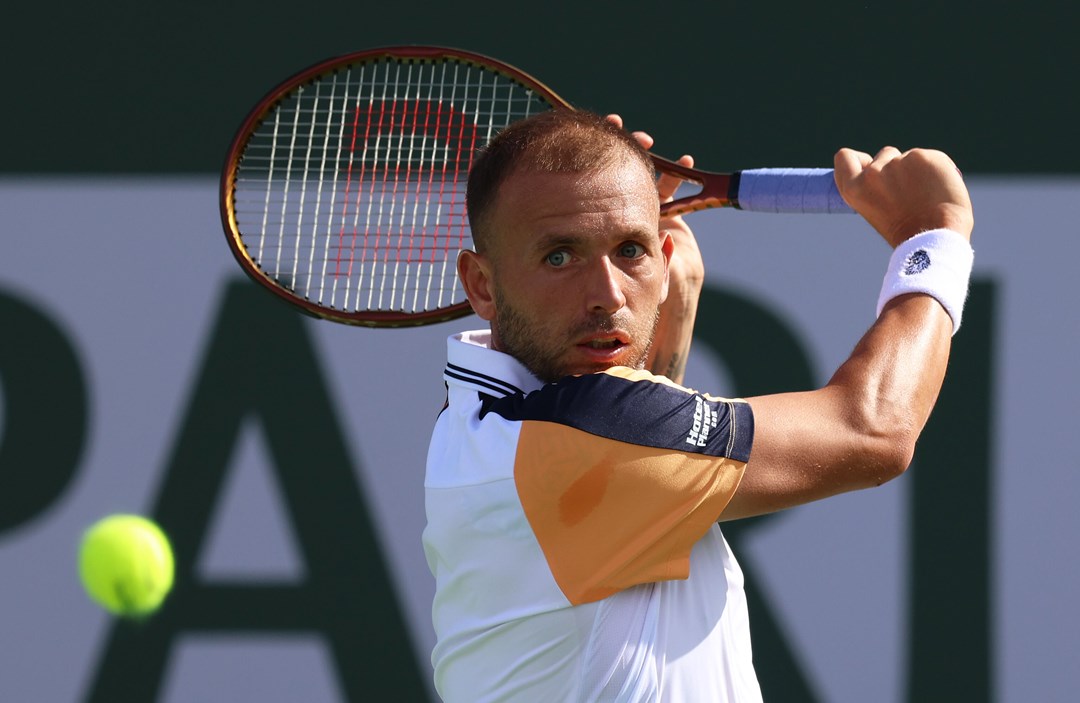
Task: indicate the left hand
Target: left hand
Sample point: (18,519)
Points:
(686,276)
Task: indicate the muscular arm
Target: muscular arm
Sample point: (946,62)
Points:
(675,327)
(686,276)
(860,430)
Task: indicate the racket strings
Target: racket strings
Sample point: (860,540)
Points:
(351,191)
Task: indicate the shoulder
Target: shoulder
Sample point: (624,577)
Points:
(633,406)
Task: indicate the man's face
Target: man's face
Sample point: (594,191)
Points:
(578,269)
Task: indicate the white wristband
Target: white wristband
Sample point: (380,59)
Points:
(937,263)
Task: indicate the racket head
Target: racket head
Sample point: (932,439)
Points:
(343,190)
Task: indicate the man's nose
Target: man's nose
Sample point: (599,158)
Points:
(604,287)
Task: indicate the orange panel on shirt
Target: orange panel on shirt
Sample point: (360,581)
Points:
(609,514)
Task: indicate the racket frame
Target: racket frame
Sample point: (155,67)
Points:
(266,105)
(717,189)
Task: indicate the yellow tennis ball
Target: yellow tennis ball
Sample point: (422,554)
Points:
(126,564)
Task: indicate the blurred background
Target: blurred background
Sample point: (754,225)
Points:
(140,373)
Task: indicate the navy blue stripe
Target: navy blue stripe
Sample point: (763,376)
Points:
(475,381)
(638,412)
(743,440)
(491,382)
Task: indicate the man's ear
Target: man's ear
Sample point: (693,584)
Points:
(475,273)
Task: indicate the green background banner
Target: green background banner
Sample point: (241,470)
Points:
(160,87)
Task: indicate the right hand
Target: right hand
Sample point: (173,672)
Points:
(903,194)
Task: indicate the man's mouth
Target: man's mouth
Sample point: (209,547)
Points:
(611,343)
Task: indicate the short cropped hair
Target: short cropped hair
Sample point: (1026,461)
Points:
(556,141)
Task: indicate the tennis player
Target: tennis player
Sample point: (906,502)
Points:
(574,486)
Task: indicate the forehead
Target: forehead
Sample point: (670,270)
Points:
(610,199)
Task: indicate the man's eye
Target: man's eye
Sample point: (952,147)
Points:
(558,258)
(631,250)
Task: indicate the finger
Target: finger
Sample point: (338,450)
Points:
(644,139)
(848,163)
(945,158)
(886,154)
(667,184)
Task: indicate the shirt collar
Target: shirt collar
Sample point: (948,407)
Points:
(472,362)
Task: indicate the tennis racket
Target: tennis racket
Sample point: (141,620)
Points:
(343,191)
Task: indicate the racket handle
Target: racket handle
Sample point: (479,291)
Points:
(794,190)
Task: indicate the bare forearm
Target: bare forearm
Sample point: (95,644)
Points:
(674,335)
(859,430)
(892,379)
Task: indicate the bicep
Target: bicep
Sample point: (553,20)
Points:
(807,446)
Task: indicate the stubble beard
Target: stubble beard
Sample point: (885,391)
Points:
(540,353)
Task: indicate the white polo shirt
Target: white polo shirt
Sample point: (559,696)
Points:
(572,535)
